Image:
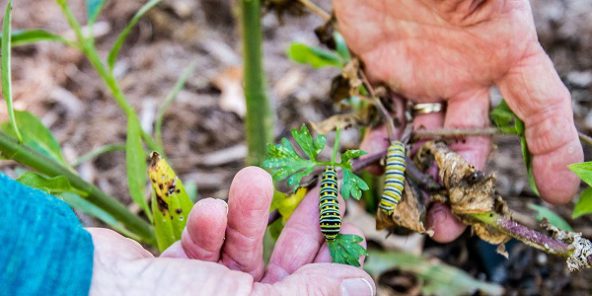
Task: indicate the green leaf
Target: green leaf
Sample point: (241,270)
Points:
(5,69)
(35,135)
(351,154)
(135,159)
(90,209)
(313,56)
(305,141)
(552,218)
(504,119)
(29,36)
(170,202)
(123,35)
(437,278)
(584,204)
(346,249)
(508,123)
(51,185)
(283,162)
(583,170)
(341,47)
(352,185)
(93,9)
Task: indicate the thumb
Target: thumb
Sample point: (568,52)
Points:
(326,279)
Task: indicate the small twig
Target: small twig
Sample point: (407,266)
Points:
(453,133)
(585,138)
(526,235)
(316,9)
(390,124)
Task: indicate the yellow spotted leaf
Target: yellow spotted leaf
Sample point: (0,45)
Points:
(170,202)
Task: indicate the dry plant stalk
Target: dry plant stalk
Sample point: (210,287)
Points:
(472,198)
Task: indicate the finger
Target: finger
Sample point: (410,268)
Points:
(248,210)
(470,110)
(444,224)
(324,256)
(375,141)
(299,241)
(427,122)
(174,251)
(203,236)
(321,279)
(536,94)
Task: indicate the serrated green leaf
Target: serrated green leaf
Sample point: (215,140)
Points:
(306,143)
(135,159)
(35,135)
(29,36)
(6,69)
(170,202)
(93,9)
(554,219)
(346,249)
(283,162)
(583,170)
(112,57)
(341,47)
(51,185)
(351,154)
(437,278)
(584,204)
(352,185)
(313,56)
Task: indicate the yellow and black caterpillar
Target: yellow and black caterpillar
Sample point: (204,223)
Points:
(394,177)
(330,220)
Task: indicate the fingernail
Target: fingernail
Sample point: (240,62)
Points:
(355,287)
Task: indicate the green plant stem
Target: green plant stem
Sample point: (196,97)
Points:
(29,157)
(96,152)
(90,51)
(169,100)
(6,68)
(259,120)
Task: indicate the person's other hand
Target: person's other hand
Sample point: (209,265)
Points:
(221,252)
(454,51)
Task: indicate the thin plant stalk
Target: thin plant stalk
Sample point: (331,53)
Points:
(259,120)
(90,51)
(31,158)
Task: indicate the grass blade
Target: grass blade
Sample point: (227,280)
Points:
(35,135)
(6,78)
(169,100)
(123,35)
(98,152)
(29,36)
(135,158)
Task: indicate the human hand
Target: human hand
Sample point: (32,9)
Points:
(221,252)
(454,51)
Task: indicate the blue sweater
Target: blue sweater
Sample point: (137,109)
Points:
(43,248)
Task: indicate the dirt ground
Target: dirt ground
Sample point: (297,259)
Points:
(203,129)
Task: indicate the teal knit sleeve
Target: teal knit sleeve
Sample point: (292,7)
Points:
(43,248)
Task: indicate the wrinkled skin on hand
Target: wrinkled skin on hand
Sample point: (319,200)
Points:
(221,252)
(454,51)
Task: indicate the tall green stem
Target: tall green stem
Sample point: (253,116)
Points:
(90,51)
(29,157)
(259,120)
